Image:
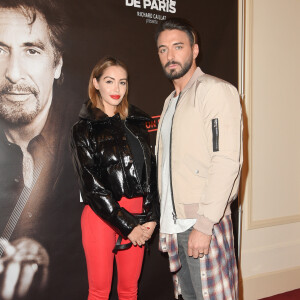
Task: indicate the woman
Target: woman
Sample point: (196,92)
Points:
(117,178)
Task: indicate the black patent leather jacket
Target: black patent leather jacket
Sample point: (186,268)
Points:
(105,168)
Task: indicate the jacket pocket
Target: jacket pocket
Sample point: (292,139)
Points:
(193,181)
(195,167)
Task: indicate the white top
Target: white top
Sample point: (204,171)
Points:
(167,224)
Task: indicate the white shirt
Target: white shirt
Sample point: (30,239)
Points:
(167,224)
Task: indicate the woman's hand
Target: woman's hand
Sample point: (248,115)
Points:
(138,236)
(149,228)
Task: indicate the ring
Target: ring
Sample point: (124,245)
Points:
(34,267)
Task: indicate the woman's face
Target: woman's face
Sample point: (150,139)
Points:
(112,86)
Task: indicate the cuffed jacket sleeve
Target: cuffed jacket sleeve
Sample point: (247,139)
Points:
(93,191)
(221,103)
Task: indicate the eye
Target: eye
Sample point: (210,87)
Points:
(178,47)
(2,51)
(123,83)
(162,50)
(32,52)
(109,81)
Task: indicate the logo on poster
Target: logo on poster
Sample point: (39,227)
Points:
(159,5)
(153,124)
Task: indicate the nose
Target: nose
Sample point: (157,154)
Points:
(14,68)
(170,54)
(117,87)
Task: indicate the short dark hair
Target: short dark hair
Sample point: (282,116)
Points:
(53,14)
(179,24)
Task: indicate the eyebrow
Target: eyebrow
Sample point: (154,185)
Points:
(175,44)
(3,45)
(114,78)
(37,44)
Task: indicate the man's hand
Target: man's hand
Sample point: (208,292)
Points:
(20,261)
(198,244)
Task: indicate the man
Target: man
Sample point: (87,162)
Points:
(33,139)
(199,153)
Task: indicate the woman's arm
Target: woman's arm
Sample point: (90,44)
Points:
(152,205)
(92,189)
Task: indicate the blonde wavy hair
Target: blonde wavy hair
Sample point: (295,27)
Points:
(94,95)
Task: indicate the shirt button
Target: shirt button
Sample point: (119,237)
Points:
(16,180)
(197,171)
(29,214)
(203,274)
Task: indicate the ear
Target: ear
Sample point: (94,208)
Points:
(195,50)
(96,84)
(57,71)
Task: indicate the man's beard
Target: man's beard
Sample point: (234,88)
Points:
(19,112)
(184,69)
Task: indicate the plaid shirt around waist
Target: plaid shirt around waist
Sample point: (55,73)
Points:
(219,275)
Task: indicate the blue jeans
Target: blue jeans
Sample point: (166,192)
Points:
(189,274)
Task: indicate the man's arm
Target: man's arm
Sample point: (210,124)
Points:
(223,127)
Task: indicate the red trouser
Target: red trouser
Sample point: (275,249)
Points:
(98,240)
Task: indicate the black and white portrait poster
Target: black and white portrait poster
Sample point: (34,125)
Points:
(47,51)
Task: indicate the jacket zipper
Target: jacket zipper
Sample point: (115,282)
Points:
(170,164)
(147,182)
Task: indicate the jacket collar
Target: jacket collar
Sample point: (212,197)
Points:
(134,113)
(88,112)
(95,114)
(198,72)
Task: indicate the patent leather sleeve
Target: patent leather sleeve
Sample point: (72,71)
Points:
(152,201)
(152,205)
(92,189)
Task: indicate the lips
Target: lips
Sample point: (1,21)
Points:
(16,97)
(115,97)
(173,66)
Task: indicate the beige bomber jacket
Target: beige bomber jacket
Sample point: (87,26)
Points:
(206,150)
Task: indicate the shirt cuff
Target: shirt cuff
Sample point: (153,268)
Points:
(204,225)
